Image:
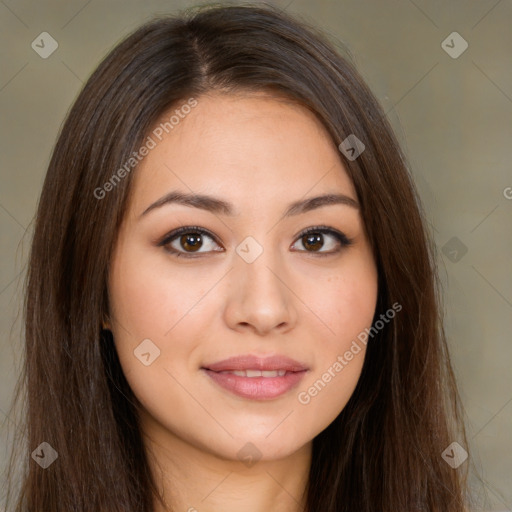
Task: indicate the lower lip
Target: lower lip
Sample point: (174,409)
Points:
(257,388)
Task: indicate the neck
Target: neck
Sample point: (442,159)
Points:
(191,479)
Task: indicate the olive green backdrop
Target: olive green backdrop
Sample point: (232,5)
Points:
(451,107)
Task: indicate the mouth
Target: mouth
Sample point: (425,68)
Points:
(256,378)
(256,373)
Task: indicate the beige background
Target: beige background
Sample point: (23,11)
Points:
(453,117)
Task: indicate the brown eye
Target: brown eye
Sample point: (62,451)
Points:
(188,240)
(192,242)
(313,241)
(317,238)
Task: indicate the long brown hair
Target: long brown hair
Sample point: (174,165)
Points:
(383,451)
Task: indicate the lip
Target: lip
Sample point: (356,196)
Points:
(251,362)
(257,388)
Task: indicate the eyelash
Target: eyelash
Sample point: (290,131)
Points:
(169,237)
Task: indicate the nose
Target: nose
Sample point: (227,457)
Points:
(260,299)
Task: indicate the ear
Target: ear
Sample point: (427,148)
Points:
(105,323)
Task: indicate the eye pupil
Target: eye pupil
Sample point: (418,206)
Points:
(314,240)
(191,241)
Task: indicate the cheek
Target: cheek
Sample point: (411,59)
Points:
(150,303)
(145,297)
(349,300)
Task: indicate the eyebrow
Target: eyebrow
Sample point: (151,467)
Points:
(217,205)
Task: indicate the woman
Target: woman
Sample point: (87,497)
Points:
(232,297)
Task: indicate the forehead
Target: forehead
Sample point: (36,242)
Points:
(248,148)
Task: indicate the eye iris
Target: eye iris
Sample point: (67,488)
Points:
(314,240)
(191,241)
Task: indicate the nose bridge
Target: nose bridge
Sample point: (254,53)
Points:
(262,275)
(259,295)
(257,270)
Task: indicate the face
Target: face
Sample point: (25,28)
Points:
(258,272)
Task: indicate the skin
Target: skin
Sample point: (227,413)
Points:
(259,153)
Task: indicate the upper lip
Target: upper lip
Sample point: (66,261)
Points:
(251,362)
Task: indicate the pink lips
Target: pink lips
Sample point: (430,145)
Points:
(265,387)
